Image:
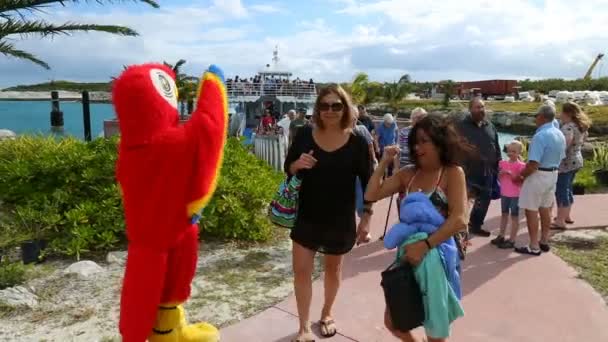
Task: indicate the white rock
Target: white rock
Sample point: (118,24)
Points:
(116,258)
(581,234)
(84,268)
(7,134)
(194,291)
(18,296)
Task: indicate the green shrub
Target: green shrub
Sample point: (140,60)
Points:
(600,157)
(584,177)
(238,208)
(64,191)
(11,274)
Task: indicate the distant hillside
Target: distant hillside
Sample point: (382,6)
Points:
(62,85)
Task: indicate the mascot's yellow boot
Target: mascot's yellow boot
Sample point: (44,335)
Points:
(171,326)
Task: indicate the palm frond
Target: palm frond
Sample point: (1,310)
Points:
(43,28)
(178,65)
(358,87)
(405,79)
(9,50)
(7,6)
(186,78)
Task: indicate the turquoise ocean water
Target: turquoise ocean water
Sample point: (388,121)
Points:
(31,117)
(34,117)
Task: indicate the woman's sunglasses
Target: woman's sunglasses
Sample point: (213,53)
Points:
(335,107)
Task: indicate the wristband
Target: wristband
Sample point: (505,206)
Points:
(428,244)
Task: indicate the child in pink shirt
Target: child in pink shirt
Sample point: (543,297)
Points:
(510,186)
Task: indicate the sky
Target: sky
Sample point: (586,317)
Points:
(327,40)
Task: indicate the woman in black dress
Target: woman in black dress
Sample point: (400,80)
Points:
(328,156)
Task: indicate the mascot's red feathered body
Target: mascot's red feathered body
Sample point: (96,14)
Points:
(167,172)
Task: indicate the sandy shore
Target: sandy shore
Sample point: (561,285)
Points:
(232,283)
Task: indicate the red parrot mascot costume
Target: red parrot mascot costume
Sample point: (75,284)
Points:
(167,173)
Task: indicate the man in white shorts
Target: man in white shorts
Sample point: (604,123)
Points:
(546,151)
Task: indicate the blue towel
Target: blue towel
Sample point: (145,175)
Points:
(419,215)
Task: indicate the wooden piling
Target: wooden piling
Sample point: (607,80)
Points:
(56,113)
(86,115)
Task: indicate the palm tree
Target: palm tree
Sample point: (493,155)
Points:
(13,21)
(358,87)
(448,88)
(394,93)
(405,78)
(363,90)
(186,85)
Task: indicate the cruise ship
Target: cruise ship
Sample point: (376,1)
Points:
(271,88)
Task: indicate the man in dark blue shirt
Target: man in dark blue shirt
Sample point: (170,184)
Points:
(483,168)
(364,119)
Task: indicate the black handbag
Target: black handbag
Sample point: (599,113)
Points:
(403,296)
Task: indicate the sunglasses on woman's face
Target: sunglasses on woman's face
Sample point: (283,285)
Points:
(335,107)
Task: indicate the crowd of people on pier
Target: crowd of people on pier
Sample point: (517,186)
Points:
(269,85)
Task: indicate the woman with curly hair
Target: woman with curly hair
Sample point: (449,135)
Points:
(435,152)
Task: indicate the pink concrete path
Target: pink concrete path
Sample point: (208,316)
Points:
(507,297)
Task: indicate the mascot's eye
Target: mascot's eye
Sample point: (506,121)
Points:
(164,86)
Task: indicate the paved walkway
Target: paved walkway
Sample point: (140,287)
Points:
(507,297)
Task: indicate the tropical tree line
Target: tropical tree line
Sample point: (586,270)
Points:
(364,91)
(546,85)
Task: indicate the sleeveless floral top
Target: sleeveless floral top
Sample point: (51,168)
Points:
(574,156)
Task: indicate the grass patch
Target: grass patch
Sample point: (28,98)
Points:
(590,259)
(79,315)
(11,311)
(406,106)
(110,339)
(16,273)
(599,114)
(11,274)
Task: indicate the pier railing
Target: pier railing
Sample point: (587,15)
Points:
(271,148)
(303,90)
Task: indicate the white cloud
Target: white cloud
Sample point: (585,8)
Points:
(386,38)
(268,8)
(233,7)
(473,30)
(552,38)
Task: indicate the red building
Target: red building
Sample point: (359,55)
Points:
(486,88)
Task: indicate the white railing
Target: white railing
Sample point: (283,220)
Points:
(304,90)
(271,148)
